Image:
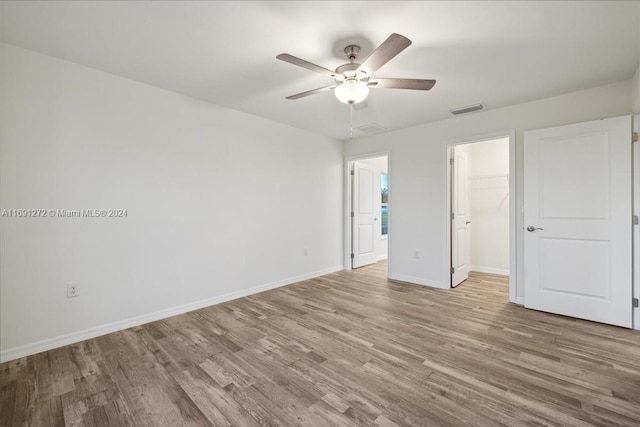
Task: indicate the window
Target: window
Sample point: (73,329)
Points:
(384,200)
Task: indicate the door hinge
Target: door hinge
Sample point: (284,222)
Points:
(451,162)
(352,256)
(635,303)
(352,215)
(635,220)
(353,172)
(453,270)
(453,216)
(634,137)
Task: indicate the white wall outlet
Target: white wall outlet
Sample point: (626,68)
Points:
(305,251)
(73,290)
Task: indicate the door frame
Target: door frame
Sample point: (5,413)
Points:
(635,194)
(348,194)
(446,155)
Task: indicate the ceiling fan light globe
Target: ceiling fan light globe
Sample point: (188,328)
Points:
(351,91)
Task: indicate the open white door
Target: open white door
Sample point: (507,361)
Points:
(460,236)
(577,242)
(364,215)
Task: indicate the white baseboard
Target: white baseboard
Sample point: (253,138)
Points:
(62,340)
(488,270)
(519,301)
(417,281)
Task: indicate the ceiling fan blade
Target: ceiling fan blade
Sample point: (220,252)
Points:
(415,84)
(311,92)
(389,48)
(305,64)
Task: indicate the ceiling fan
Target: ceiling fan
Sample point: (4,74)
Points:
(353,79)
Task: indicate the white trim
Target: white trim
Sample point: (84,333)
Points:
(417,280)
(489,270)
(348,161)
(635,155)
(519,301)
(513,222)
(446,214)
(62,340)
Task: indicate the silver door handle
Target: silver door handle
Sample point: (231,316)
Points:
(468,222)
(375,219)
(531,228)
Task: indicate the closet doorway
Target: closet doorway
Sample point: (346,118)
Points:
(479,209)
(367,213)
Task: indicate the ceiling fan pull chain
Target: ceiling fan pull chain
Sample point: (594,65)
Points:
(351,120)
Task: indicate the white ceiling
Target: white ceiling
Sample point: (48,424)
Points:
(498,53)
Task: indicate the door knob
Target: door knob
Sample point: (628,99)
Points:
(531,228)
(468,222)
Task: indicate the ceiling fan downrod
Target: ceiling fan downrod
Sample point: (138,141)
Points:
(352,52)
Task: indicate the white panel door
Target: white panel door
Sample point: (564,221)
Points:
(460,235)
(365,215)
(577,238)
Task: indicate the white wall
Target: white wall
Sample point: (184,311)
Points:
(219,203)
(379,165)
(489,205)
(418,159)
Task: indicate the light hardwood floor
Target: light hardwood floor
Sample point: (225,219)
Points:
(349,348)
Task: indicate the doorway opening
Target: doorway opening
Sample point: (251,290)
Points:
(481,210)
(367,202)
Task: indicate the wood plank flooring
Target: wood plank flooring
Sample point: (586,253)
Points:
(346,349)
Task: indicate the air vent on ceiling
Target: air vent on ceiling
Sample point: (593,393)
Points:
(371,128)
(467,109)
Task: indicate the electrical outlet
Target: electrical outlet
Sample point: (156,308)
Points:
(305,251)
(73,290)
